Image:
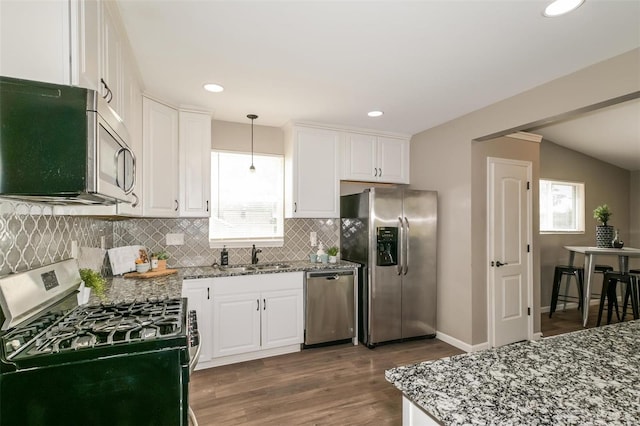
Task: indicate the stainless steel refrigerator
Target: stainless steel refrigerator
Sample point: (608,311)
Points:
(392,234)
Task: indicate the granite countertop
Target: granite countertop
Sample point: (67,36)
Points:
(586,377)
(119,289)
(292,266)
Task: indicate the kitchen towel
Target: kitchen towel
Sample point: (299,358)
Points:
(123,259)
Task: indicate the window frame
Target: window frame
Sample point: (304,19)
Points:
(249,241)
(579,214)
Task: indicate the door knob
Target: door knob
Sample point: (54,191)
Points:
(499,264)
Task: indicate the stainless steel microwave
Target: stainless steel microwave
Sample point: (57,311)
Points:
(63,145)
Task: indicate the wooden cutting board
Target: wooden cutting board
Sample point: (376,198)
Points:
(151,274)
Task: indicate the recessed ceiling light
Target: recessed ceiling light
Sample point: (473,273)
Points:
(215,88)
(560,7)
(375,113)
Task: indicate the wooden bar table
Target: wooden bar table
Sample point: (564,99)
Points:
(590,255)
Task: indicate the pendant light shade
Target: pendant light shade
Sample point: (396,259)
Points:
(252,117)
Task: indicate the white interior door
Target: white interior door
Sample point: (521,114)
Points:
(509,228)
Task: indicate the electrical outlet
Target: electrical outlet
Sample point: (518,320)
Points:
(175,239)
(103,244)
(313,237)
(74,249)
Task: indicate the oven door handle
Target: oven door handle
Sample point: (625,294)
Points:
(194,360)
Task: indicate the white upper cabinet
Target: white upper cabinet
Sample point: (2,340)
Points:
(111,65)
(176,161)
(195,164)
(34,40)
(160,159)
(372,158)
(312,172)
(85,43)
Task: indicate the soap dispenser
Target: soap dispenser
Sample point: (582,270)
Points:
(224,256)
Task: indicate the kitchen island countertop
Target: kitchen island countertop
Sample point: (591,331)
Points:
(585,377)
(119,289)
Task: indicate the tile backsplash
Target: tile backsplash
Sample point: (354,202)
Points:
(31,235)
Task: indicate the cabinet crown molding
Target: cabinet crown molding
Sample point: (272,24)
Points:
(341,128)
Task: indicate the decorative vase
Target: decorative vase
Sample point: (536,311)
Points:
(604,236)
(162,264)
(617,242)
(333,259)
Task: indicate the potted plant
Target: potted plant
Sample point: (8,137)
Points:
(604,232)
(333,254)
(92,280)
(159,259)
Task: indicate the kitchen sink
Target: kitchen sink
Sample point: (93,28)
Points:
(236,268)
(270,266)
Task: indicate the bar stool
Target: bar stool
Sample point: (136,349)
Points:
(560,272)
(609,284)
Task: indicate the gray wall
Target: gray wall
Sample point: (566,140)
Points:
(604,184)
(441,160)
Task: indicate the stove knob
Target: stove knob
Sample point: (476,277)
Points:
(15,344)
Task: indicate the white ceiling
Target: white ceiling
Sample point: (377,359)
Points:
(421,62)
(610,134)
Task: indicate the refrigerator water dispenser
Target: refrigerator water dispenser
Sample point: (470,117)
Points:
(387,240)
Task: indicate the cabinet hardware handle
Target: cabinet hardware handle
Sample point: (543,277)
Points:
(177,205)
(207,205)
(380,174)
(258,304)
(207,293)
(264,304)
(376,172)
(295,207)
(135,203)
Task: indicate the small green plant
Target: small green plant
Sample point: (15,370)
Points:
(602,214)
(93,279)
(332,251)
(161,255)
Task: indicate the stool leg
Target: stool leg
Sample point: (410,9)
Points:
(633,283)
(580,280)
(557,276)
(627,295)
(611,295)
(603,295)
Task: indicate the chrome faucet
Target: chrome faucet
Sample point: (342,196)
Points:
(254,254)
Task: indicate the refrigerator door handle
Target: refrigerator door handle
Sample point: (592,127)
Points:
(401,260)
(406,242)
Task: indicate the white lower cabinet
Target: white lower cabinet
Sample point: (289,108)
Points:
(198,294)
(247,317)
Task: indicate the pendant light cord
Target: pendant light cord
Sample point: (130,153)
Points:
(252,117)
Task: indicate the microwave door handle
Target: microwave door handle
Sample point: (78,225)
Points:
(126,190)
(117,157)
(129,190)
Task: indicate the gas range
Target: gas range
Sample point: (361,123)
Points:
(102,358)
(94,327)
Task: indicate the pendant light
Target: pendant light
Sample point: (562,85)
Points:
(252,117)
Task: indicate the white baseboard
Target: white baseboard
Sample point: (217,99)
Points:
(460,344)
(537,336)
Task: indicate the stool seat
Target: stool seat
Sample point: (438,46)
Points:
(609,284)
(603,268)
(570,271)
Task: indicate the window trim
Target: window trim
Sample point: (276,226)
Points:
(248,242)
(581,216)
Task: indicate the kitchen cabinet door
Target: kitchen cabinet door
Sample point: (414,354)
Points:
(282,318)
(312,173)
(198,294)
(195,164)
(160,159)
(393,160)
(360,157)
(236,321)
(111,65)
(375,158)
(34,40)
(86,43)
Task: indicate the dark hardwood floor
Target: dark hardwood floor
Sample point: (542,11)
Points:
(334,385)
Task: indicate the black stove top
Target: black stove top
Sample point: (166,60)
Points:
(93,327)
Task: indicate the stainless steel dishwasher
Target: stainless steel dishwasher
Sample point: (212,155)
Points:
(329,306)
